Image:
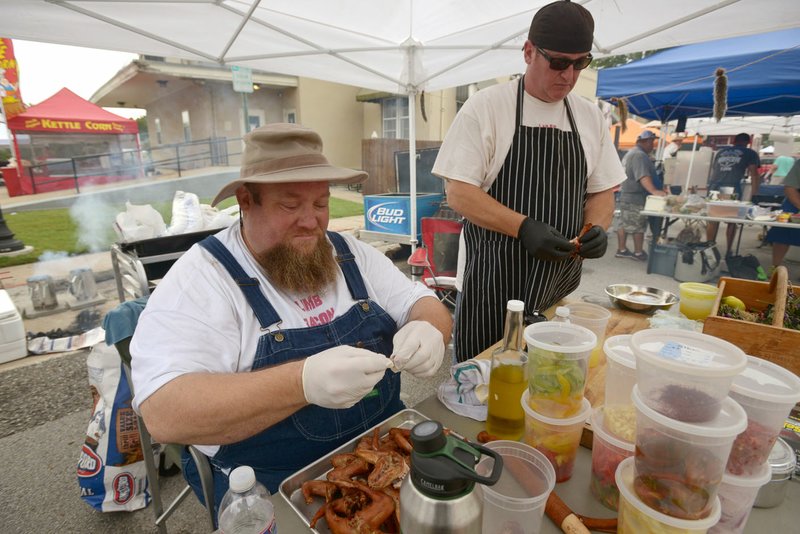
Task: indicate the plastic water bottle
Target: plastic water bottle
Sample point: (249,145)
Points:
(562,315)
(246,507)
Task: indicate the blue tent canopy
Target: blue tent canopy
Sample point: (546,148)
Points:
(763,78)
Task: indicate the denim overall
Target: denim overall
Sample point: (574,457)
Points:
(312,431)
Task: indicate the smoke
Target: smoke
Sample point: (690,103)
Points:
(95,221)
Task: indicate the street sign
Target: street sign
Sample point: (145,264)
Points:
(242,79)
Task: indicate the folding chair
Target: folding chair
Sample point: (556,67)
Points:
(120,324)
(436,260)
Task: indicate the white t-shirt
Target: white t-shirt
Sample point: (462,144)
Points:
(198,320)
(477,143)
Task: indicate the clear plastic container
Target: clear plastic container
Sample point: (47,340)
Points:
(636,517)
(558,439)
(517,501)
(558,364)
(679,466)
(685,375)
(607,452)
(697,300)
(767,392)
(620,370)
(736,496)
(595,318)
(246,507)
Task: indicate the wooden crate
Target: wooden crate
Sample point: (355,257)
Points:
(770,342)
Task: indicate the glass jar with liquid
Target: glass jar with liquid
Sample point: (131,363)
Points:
(508,378)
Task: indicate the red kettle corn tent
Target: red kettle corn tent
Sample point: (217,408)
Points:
(66,141)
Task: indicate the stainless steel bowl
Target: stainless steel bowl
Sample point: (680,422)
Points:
(640,299)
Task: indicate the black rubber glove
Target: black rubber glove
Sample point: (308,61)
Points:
(593,243)
(544,242)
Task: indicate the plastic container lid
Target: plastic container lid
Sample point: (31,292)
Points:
(684,351)
(242,479)
(580,417)
(757,480)
(624,479)
(766,381)
(515,305)
(599,429)
(731,421)
(782,458)
(618,349)
(564,338)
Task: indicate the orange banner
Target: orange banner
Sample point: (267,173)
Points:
(9,80)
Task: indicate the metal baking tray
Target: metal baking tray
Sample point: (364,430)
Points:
(291,490)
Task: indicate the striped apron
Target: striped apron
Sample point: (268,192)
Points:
(543,177)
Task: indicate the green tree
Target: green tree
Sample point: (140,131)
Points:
(622,59)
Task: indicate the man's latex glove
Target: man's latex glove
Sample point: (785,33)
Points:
(544,242)
(418,349)
(341,376)
(593,243)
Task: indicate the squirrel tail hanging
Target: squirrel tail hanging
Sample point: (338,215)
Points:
(720,94)
(622,109)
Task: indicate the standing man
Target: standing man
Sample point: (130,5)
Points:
(270,343)
(731,165)
(527,164)
(783,238)
(640,181)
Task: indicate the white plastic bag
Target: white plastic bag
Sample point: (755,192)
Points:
(186,214)
(215,218)
(139,222)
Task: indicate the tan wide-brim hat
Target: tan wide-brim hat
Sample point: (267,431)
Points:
(285,153)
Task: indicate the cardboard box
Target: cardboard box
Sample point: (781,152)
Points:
(791,435)
(390,213)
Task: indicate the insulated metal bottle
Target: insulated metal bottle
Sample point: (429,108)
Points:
(438,495)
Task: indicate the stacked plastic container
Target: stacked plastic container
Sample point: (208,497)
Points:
(554,403)
(686,425)
(614,423)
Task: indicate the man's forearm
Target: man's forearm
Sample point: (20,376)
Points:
(599,208)
(218,409)
(481,209)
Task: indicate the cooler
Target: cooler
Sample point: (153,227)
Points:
(389,214)
(13,344)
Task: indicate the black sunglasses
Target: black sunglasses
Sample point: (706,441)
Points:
(562,63)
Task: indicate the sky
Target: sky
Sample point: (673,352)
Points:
(46,68)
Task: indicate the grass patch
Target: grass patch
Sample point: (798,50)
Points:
(57,231)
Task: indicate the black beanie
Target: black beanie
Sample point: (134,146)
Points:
(562,26)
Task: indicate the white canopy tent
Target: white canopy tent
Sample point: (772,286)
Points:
(399,46)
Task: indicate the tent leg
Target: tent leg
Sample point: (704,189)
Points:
(412,167)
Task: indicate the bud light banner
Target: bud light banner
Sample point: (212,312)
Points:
(390,213)
(111,470)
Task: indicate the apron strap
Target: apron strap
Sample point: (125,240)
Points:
(264,311)
(347,263)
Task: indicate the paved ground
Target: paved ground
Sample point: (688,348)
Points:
(45,400)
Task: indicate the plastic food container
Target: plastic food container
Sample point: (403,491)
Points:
(635,517)
(558,439)
(516,503)
(679,466)
(595,318)
(558,362)
(685,375)
(620,370)
(767,392)
(697,300)
(607,452)
(736,496)
(727,208)
(782,461)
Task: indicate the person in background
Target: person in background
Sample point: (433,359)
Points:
(270,343)
(671,150)
(730,166)
(783,238)
(527,164)
(780,168)
(641,180)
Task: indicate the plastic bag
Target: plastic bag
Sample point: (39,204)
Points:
(214,218)
(139,222)
(186,214)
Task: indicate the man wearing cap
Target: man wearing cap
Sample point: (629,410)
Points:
(527,164)
(270,343)
(640,181)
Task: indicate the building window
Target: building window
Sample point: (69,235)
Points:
(290,116)
(462,94)
(157,123)
(395,118)
(187,126)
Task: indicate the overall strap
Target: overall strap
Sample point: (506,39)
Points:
(264,311)
(347,263)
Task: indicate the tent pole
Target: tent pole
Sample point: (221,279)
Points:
(412,166)
(691,163)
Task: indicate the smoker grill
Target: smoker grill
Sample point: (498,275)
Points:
(139,264)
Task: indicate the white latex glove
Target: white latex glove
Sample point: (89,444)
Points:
(341,376)
(418,349)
